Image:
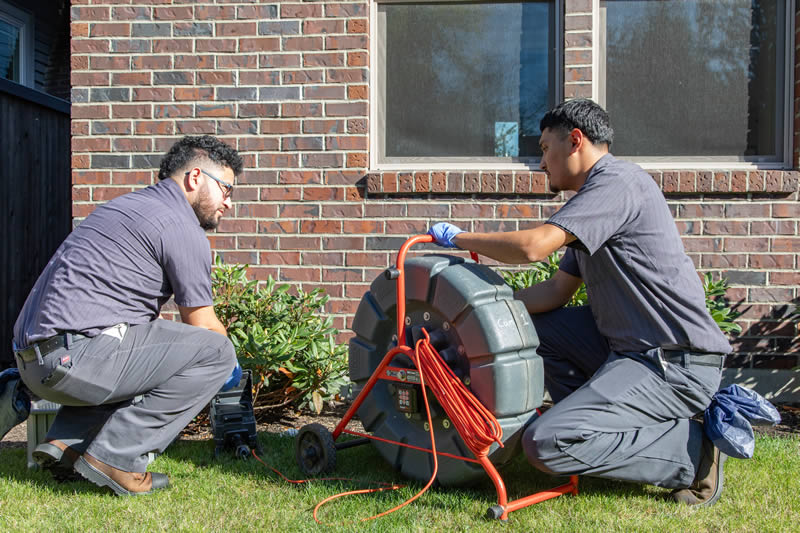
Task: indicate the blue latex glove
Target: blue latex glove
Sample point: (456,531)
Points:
(444,232)
(234,379)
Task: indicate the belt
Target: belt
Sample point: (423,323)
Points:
(692,358)
(46,346)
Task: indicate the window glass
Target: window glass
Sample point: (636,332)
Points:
(464,80)
(695,77)
(9,51)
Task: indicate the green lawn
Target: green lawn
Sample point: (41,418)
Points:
(761,495)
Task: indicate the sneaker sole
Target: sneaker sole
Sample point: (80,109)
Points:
(51,458)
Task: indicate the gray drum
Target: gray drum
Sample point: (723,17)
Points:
(483,334)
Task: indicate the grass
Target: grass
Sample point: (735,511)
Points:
(761,495)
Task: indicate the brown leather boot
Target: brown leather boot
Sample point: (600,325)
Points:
(707,486)
(58,459)
(121,482)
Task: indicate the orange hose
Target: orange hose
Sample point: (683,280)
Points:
(476,425)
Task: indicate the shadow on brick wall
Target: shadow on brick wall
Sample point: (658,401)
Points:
(772,342)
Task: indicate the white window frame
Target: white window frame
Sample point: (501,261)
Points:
(448,163)
(24,21)
(699,162)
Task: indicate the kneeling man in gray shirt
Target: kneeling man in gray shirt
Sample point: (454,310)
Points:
(89,337)
(628,372)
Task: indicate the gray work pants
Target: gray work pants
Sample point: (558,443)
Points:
(623,416)
(124,397)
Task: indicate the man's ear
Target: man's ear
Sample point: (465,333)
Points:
(576,138)
(191,180)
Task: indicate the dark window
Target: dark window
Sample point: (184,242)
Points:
(464,80)
(695,79)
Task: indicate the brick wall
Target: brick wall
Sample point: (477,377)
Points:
(286,83)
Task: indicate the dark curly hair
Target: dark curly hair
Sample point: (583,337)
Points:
(583,114)
(188,149)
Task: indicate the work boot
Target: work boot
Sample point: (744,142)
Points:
(57,458)
(121,482)
(707,486)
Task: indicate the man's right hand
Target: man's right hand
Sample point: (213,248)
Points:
(444,232)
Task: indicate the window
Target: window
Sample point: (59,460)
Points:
(695,80)
(463,83)
(16,45)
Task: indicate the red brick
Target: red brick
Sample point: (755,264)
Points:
(279,258)
(422,182)
(786,210)
(786,244)
(310,44)
(215,45)
(739,181)
(241,61)
(357,92)
(90,177)
(755,181)
(280,126)
(347,109)
(173,13)
(303,109)
(80,194)
(131,111)
(152,94)
(356,160)
(301,177)
(323,126)
(346,75)
(89,79)
(375,259)
(133,144)
(346,42)
(110,62)
(191,61)
(91,144)
(323,194)
(438,182)
(784,278)
(260,44)
(471,211)
(89,111)
(347,143)
(151,62)
(539,183)
(259,110)
(110,29)
(323,26)
(90,46)
(299,274)
(320,226)
(323,59)
(292,77)
(91,13)
(135,177)
(343,243)
(389,181)
(103,194)
(155,127)
(406,227)
(768,261)
(488,182)
(172,46)
(357,26)
(722,182)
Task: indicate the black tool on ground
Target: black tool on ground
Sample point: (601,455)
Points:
(233,421)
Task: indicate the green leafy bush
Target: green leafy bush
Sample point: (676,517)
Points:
(541,271)
(717,304)
(281,337)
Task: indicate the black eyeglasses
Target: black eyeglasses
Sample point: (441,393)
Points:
(227,188)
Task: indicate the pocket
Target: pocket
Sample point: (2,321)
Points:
(694,385)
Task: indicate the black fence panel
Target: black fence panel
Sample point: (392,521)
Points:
(35,180)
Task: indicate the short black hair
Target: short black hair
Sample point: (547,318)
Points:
(190,148)
(583,114)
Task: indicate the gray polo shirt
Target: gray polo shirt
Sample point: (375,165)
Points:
(121,264)
(643,289)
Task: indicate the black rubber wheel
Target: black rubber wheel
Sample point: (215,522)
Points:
(315,450)
(243,452)
(494,512)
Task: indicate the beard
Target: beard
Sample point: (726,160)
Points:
(205,210)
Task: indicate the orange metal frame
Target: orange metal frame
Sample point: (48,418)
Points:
(491,471)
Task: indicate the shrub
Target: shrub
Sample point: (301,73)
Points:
(541,271)
(719,307)
(281,337)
